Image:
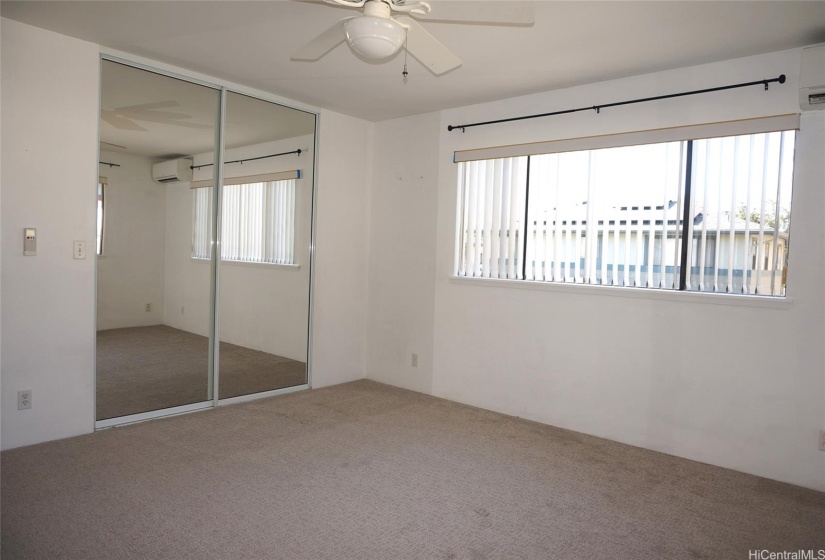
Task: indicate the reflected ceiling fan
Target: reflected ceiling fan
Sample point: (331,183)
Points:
(377,35)
(124,117)
(110,146)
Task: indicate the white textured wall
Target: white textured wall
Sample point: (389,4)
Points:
(737,386)
(402,244)
(49,176)
(130,273)
(340,307)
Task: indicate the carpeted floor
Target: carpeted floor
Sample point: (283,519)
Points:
(364,471)
(150,368)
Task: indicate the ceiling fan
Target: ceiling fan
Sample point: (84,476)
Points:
(124,117)
(376,35)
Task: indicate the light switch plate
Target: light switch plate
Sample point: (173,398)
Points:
(29,242)
(80,249)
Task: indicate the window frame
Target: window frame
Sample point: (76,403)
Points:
(687,135)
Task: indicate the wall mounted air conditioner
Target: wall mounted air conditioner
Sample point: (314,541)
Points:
(812,79)
(173,171)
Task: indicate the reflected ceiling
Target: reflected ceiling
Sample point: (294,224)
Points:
(157,116)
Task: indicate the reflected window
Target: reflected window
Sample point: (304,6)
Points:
(101,207)
(258,222)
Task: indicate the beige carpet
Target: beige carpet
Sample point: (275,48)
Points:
(363,471)
(151,368)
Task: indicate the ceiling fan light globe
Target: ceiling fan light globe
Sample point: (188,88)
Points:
(374,38)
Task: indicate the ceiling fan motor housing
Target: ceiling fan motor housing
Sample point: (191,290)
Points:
(375,35)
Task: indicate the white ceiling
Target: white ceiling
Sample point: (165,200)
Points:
(571,43)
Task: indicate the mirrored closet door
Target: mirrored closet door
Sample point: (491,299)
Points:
(184,262)
(266,219)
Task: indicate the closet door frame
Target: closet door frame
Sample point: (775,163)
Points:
(224,88)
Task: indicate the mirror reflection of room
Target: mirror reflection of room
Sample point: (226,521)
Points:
(155,220)
(266,221)
(144,363)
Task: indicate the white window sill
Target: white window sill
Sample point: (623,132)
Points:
(772,302)
(252,264)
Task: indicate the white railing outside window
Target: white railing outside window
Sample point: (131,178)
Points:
(617,216)
(257,222)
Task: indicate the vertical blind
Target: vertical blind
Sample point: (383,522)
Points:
(257,222)
(492,202)
(101,214)
(619,216)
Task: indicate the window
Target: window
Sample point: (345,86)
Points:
(101,207)
(617,216)
(257,220)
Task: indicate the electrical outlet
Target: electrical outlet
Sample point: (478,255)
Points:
(24,399)
(148,307)
(415,360)
(181,309)
(822,440)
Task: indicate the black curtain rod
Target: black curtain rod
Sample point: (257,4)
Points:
(298,151)
(598,108)
(109,164)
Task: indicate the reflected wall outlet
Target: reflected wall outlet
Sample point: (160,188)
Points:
(822,440)
(148,307)
(24,399)
(414,360)
(79,249)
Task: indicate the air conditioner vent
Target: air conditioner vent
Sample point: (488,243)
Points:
(816,98)
(812,79)
(173,171)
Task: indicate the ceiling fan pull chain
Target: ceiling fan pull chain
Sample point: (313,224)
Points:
(404,72)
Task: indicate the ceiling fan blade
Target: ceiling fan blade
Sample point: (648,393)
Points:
(113,145)
(321,44)
(509,12)
(164,117)
(147,107)
(120,122)
(428,50)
